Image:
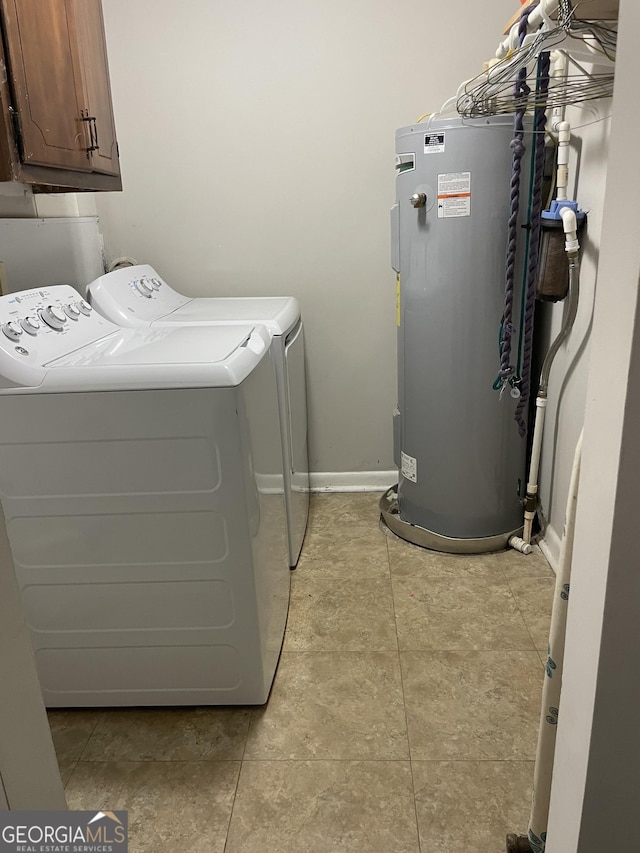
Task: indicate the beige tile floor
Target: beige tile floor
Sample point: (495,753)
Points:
(403,716)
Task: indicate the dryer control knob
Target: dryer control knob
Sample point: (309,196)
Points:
(12,330)
(72,311)
(143,288)
(53,316)
(83,307)
(30,324)
(155,284)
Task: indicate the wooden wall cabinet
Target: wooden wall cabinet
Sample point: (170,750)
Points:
(57,130)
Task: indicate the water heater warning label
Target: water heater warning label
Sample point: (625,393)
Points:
(454,195)
(434,143)
(409,467)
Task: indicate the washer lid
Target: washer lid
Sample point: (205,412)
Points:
(51,340)
(171,357)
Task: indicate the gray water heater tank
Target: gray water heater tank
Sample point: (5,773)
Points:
(461,459)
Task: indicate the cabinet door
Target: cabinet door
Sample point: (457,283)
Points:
(86,16)
(46,81)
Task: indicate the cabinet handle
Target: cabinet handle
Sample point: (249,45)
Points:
(93,133)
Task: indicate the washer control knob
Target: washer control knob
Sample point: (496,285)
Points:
(155,284)
(418,199)
(72,311)
(12,330)
(83,307)
(30,324)
(143,288)
(53,316)
(57,312)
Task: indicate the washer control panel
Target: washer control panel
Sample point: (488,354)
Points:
(45,323)
(134,296)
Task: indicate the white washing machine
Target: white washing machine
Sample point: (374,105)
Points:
(141,478)
(136,296)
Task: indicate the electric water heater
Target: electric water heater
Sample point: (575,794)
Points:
(461,459)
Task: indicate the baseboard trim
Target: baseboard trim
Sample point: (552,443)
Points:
(352,481)
(550,547)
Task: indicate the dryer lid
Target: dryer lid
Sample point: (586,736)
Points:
(138,296)
(278,314)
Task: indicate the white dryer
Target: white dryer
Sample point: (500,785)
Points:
(141,478)
(138,297)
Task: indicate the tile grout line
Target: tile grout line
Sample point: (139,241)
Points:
(393,615)
(75,767)
(146,761)
(464,651)
(233,803)
(82,752)
(92,732)
(307,759)
(515,601)
(404,702)
(242,760)
(524,621)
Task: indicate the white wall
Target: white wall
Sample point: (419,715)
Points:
(17,201)
(595,796)
(568,381)
(257,150)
